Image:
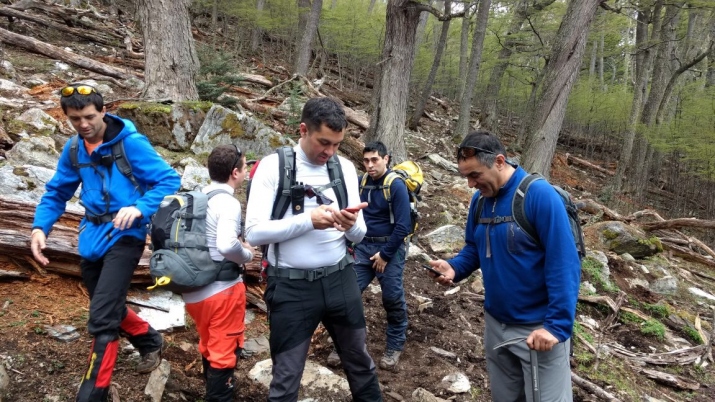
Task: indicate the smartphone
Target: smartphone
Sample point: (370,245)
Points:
(353,210)
(434,271)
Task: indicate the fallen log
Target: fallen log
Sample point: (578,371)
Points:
(593,207)
(688,255)
(92,36)
(671,380)
(256,79)
(593,388)
(36,46)
(589,165)
(5,274)
(678,223)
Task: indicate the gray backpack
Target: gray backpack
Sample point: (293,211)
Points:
(180,261)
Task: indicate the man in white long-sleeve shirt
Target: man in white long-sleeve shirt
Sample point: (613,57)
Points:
(310,274)
(218,309)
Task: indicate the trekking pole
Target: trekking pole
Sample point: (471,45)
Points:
(533,362)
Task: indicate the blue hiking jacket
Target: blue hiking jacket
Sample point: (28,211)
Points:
(377,213)
(524,282)
(156,178)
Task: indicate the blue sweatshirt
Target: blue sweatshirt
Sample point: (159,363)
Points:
(377,213)
(154,175)
(524,283)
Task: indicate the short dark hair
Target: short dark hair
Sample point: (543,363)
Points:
(319,111)
(376,146)
(486,141)
(222,160)
(79,101)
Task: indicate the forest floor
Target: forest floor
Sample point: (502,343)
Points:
(42,368)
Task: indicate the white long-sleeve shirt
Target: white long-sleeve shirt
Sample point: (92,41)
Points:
(223,226)
(301,246)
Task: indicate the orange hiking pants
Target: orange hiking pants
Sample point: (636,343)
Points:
(219,322)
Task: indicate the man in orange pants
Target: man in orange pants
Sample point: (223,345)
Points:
(218,309)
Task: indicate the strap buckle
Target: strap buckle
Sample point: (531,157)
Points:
(315,274)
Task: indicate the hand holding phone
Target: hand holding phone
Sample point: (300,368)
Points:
(434,271)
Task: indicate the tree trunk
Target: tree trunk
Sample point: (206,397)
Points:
(333,4)
(592,64)
(463,50)
(710,75)
(475,60)
(371,6)
(305,46)
(420,34)
(600,61)
(559,75)
(171,60)
(391,92)
(257,32)
(420,107)
(644,57)
(661,64)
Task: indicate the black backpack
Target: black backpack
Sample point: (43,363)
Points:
(519,213)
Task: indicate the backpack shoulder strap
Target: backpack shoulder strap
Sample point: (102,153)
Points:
(74,150)
(286,179)
(218,191)
(518,209)
(363,182)
(120,159)
(391,176)
(337,181)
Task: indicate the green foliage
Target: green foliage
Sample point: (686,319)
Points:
(693,334)
(217,72)
(653,328)
(592,268)
(579,330)
(657,310)
(629,318)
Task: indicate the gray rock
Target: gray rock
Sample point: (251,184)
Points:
(701,293)
(415,252)
(315,383)
(157,381)
(256,345)
(64,333)
(445,239)
(600,256)
(40,120)
(456,383)
(621,238)
(422,395)
(36,150)
(666,285)
(4,378)
(27,184)
(10,88)
(224,126)
(194,178)
(587,288)
(627,257)
(7,70)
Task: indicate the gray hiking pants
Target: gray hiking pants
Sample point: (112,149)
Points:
(509,369)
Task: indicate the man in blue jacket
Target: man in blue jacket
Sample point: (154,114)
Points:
(381,253)
(531,286)
(112,235)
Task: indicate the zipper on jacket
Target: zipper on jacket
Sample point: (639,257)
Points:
(489,231)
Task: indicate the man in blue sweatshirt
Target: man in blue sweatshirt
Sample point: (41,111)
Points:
(112,235)
(531,286)
(381,253)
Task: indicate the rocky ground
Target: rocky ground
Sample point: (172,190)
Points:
(655,330)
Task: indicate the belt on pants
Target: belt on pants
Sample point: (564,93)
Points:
(382,239)
(99,219)
(308,274)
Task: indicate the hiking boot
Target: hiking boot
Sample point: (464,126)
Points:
(334,359)
(389,360)
(149,362)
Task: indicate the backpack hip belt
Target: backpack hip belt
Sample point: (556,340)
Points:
(228,270)
(100,219)
(309,274)
(382,239)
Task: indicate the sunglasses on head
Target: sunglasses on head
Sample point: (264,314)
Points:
(467,151)
(238,157)
(310,192)
(80,89)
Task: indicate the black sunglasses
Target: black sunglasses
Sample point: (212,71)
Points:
(466,151)
(238,157)
(310,192)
